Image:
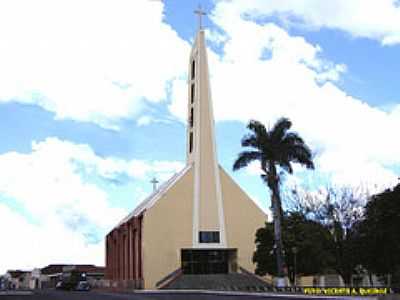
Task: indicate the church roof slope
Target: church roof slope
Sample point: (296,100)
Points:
(155,196)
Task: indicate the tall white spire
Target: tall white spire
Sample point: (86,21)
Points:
(208,215)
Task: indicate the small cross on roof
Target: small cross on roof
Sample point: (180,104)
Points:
(154,181)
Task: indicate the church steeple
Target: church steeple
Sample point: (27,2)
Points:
(208,212)
(202,210)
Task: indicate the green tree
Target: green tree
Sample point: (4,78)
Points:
(274,149)
(380,235)
(339,209)
(311,240)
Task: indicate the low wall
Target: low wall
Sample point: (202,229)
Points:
(116,285)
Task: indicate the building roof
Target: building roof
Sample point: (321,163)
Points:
(16,273)
(51,269)
(155,196)
(58,268)
(90,269)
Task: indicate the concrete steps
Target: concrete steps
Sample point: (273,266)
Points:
(219,282)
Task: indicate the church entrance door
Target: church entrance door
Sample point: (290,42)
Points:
(208,261)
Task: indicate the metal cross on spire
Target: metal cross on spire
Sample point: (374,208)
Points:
(200,13)
(154,181)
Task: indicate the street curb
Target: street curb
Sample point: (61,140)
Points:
(15,293)
(272,295)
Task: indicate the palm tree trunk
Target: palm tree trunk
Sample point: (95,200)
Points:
(278,235)
(277,212)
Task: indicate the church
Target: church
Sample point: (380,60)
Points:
(199,221)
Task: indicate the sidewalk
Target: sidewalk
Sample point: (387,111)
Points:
(15,293)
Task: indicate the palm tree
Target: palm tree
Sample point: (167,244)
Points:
(274,148)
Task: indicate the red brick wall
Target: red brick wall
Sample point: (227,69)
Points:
(124,254)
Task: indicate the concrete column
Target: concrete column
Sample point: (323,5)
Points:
(108,262)
(140,258)
(134,254)
(130,256)
(125,254)
(115,255)
(112,257)
(115,258)
(118,257)
(126,251)
(121,250)
(109,256)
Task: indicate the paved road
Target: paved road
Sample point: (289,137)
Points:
(62,295)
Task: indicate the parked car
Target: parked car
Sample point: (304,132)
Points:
(82,286)
(59,285)
(65,285)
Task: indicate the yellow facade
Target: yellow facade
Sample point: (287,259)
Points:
(242,217)
(167,227)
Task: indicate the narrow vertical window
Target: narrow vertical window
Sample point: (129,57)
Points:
(191,142)
(193,69)
(192,93)
(191,117)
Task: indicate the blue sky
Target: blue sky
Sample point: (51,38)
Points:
(93,104)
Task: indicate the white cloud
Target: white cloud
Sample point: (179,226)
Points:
(144,120)
(215,37)
(27,246)
(88,61)
(345,168)
(254,168)
(179,96)
(262,204)
(65,211)
(163,170)
(396,112)
(372,19)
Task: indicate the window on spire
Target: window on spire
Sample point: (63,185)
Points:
(193,69)
(191,117)
(192,93)
(191,142)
